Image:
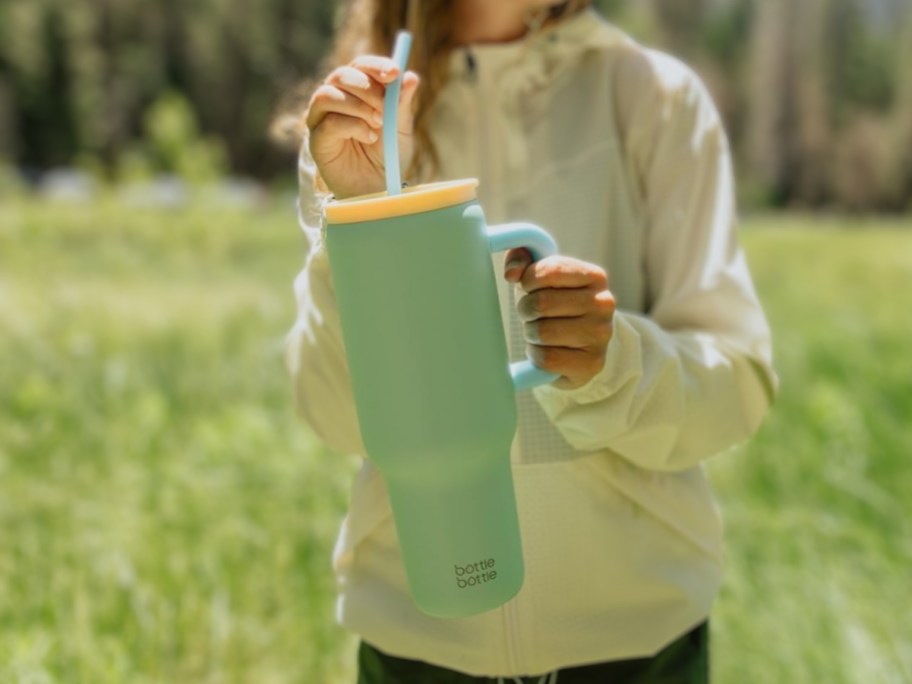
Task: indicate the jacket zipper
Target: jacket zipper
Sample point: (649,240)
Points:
(511,621)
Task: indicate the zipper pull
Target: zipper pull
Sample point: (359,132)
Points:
(471,67)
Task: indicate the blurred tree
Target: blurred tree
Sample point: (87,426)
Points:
(823,96)
(816,95)
(77,76)
(772,98)
(45,116)
(725,40)
(174,143)
(681,23)
(903,115)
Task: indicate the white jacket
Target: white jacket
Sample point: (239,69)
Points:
(619,152)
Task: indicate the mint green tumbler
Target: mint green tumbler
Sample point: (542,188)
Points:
(432,382)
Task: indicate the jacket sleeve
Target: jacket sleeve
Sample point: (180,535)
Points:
(315,354)
(693,376)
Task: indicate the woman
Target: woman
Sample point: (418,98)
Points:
(619,152)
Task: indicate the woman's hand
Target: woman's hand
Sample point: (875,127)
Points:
(567,314)
(345,120)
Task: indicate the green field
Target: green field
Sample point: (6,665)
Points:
(166,519)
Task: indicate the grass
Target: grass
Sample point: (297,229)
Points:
(166,519)
(817,507)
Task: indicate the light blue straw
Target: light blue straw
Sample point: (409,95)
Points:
(390,115)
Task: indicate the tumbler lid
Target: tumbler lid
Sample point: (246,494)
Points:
(412,200)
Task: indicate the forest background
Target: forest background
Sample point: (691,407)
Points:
(816,95)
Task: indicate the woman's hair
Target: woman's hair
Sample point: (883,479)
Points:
(370,27)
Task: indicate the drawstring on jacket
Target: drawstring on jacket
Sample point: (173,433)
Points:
(549,678)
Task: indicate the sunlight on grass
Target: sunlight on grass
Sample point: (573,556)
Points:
(816,506)
(166,518)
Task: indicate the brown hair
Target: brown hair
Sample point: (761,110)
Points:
(370,27)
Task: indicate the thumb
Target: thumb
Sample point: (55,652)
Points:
(410,81)
(517,260)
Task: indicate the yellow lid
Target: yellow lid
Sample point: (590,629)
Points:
(414,200)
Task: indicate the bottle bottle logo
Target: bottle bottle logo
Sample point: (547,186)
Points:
(474,574)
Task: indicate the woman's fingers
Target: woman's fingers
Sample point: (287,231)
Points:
(383,69)
(358,84)
(328,99)
(348,108)
(583,332)
(553,302)
(516,261)
(563,271)
(410,82)
(352,92)
(336,127)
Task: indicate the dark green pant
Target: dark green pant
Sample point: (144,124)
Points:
(685,661)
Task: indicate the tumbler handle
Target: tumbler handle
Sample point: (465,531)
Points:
(540,244)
